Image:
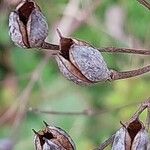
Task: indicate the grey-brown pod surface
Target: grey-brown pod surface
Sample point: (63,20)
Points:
(131,137)
(53,138)
(81,63)
(27,25)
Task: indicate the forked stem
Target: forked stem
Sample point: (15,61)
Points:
(129,74)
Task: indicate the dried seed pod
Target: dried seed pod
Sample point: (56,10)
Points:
(53,138)
(27,25)
(131,137)
(80,62)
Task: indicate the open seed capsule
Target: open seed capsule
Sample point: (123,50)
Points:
(53,138)
(131,137)
(27,25)
(80,62)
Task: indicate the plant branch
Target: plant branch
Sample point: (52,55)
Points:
(141,108)
(55,48)
(50,46)
(84,112)
(145,3)
(128,74)
(124,50)
(106,143)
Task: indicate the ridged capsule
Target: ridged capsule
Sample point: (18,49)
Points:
(27,25)
(131,137)
(53,138)
(80,62)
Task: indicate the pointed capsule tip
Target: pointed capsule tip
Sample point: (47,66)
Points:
(46,124)
(35,131)
(59,33)
(122,124)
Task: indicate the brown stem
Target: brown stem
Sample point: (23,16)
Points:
(84,112)
(145,3)
(106,143)
(144,105)
(124,50)
(49,46)
(128,74)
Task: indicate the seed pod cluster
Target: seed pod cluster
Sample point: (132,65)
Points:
(77,60)
(53,138)
(131,137)
(80,62)
(27,25)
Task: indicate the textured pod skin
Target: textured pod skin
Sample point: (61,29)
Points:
(90,62)
(37,29)
(132,137)
(81,63)
(70,71)
(53,138)
(14,30)
(27,25)
(141,141)
(119,140)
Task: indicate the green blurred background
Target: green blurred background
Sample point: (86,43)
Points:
(119,23)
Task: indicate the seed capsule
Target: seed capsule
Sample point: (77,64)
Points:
(27,25)
(131,137)
(80,62)
(53,138)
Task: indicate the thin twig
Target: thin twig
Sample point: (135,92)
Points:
(141,108)
(35,110)
(85,112)
(106,143)
(49,46)
(145,3)
(56,50)
(124,50)
(128,74)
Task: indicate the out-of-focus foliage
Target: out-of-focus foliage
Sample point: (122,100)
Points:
(54,92)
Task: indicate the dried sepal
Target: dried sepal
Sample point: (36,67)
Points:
(27,25)
(53,138)
(86,64)
(131,137)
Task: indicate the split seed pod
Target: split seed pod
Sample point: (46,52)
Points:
(131,137)
(53,138)
(80,62)
(27,25)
